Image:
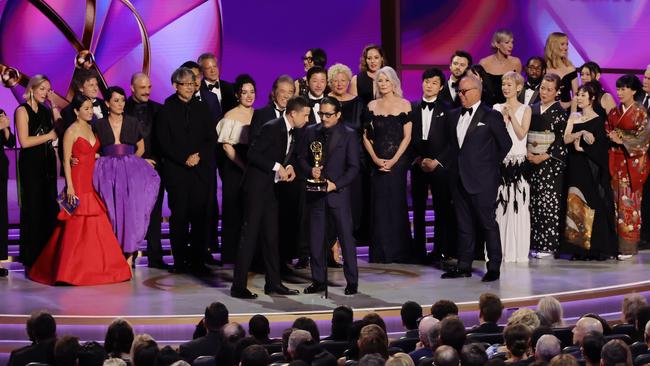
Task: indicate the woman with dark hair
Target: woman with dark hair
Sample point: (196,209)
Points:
(499,63)
(9,140)
(590,232)
(127,183)
(118,340)
(313,57)
(342,318)
(546,157)
(627,126)
(604,103)
(517,339)
(487,94)
(83,249)
(362,84)
(233,131)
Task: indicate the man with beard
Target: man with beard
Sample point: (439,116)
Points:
(535,70)
(460,61)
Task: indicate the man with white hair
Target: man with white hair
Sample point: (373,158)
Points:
(297,337)
(644,97)
(584,326)
(547,347)
(428,329)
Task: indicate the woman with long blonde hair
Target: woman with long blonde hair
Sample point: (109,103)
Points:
(556,55)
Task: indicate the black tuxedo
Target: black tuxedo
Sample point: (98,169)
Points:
(228,100)
(445,96)
(212,344)
(341,166)
(260,117)
(146,114)
(640,97)
(183,129)
(535,97)
(42,352)
(435,146)
(475,177)
(261,202)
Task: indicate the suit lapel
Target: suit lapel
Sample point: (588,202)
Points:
(455,116)
(334,139)
(534,96)
(417,121)
(475,120)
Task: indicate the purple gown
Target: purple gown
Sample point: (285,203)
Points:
(127,183)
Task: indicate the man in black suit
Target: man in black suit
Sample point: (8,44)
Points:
(479,142)
(316,83)
(270,160)
(643,97)
(223,90)
(458,65)
(41,329)
(282,90)
(340,166)
(429,140)
(186,138)
(535,71)
(145,110)
(213,343)
(490,309)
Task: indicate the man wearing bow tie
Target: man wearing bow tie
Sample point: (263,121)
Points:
(428,142)
(224,90)
(478,143)
(458,65)
(270,163)
(281,92)
(535,70)
(316,83)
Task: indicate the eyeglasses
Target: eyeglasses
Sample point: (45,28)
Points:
(186,84)
(464,91)
(328,115)
(307,58)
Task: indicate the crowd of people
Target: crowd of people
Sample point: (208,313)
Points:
(517,167)
(529,336)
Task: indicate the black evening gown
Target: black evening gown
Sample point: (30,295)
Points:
(589,231)
(37,175)
(4,177)
(565,86)
(493,85)
(390,226)
(364,88)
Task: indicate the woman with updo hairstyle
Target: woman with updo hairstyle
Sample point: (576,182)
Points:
(234,136)
(37,173)
(517,339)
(125,181)
(500,62)
(590,73)
(313,57)
(589,233)
(628,130)
(362,84)
(546,155)
(556,55)
(83,249)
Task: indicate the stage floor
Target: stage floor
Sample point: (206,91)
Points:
(158,293)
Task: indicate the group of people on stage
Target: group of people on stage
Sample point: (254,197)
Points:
(523,167)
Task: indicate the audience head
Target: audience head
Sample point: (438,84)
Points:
(140,87)
(282,90)
(433,80)
(410,313)
(285,342)
(309,325)
(342,319)
(339,77)
(41,326)
(167,356)
(372,359)
(233,332)
(607,330)
(524,316)
(209,66)
(642,318)
(646,333)
(470,89)
(259,328)
(490,307)
(517,339)
(297,337)
(538,333)
(563,359)
(592,344)
(114,362)
(631,304)
(556,50)
(626,87)
(400,359)
(372,59)
(66,351)
(184,80)
(254,355)
(551,309)
(215,316)
(547,347)
(615,353)
(584,326)
(535,68)
(452,333)
(386,82)
(473,354)
(88,84)
(91,354)
(446,356)
(144,350)
(317,81)
(373,339)
(324,358)
(443,308)
(429,330)
(297,112)
(240,346)
(119,338)
(459,63)
(37,89)
(374,318)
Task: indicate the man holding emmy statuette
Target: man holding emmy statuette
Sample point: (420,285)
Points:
(329,154)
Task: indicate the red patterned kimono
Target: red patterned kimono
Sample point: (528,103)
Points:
(628,164)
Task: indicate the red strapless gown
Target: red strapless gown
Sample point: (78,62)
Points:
(83,249)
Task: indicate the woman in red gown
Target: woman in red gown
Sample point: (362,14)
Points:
(83,249)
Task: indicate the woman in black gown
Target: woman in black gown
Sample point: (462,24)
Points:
(313,57)
(9,140)
(590,231)
(499,63)
(386,138)
(556,55)
(362,84)
(36,168)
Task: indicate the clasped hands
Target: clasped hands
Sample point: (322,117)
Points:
(316,173)
(589,139)
(286,174)
(427,165)
(385,165)
(193,160)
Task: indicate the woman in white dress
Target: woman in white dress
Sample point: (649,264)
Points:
(513,196)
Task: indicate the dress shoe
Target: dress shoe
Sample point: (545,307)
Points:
(351,289)
(280,290)
(491,276)
(242,293)
(159,265)
(302,263)
(456,273)
(315,287)
(4,272)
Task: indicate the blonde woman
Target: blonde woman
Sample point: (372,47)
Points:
(339,77)
(556,55)
(552,311)
(500,62)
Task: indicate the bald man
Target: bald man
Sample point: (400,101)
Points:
(584,326)
(547,347)
(428,329)
(446,356)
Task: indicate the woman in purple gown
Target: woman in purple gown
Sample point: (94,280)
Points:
(127,183)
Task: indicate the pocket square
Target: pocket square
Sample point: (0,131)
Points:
(481,124)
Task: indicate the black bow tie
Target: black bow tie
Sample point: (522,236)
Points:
(530,84)
(313,102)
(466,110)
(454,84)
(96,103)
(213,86)
(428,105)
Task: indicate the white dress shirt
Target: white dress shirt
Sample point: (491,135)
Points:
(216,91)
(316,107)
(97,110)
(277,165)
(426,119)
(463,123)
(528,94)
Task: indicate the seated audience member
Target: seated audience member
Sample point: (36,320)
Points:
(374,318)
(442,308)
(309,325)
(259,328)
(372,359)
(254,355)
(410,313)
(41,329)
(452,333)
(66,351)
(583,326)
(114,362)
(642,318)
(285,342)
(144,350)
(490,310)
(517,339)
(592,345)
(400,359)
(91,354)
(525,316)
(306,351)
(429,330)
(615,353)
(118,340)
(551,309)
(631,305)
(233,332)
(446,356)
(342,319)
(537,334)
(473,354)
(167,356)
(353,342)
(297,337)
(547,347)
(607,329)
(563,360)
(213,343)
(239,348)
(373,339)
(324,359)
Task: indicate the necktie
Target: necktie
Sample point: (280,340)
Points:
(213,86)
(466,110)
(428,105)
(646,101)
(279,111)
(292,134)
